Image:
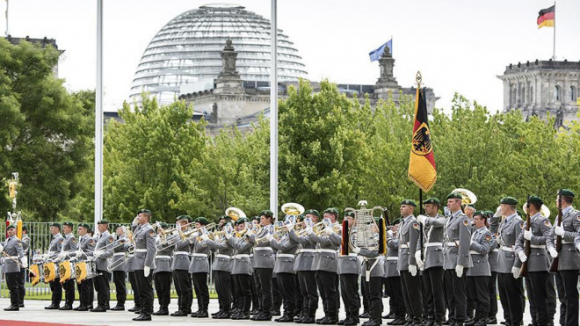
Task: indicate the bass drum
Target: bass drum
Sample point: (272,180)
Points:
(66,271)
(50,272)
(36,274)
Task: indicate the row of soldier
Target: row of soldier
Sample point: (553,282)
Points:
(451,270)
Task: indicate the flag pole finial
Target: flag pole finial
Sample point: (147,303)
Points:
(419,78)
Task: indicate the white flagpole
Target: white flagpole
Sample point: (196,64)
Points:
(554,52)
(99,118)
(6,17)
(274,112)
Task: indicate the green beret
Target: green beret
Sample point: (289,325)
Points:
(103,222)
(11,226)
(146,211)
(55,224)
(24,227)
(566,193)
(331,210)
(267,213)
(242,221)
(349,213)
(509,201)
(409,202)
(432,200)
(84,225)
(202,220)
(454,195)
(477,213)
(255,218)
(471,205)
(223,217)
(300,218)
(164,225)
(184,217)
(488,213)
(536,199)
(68,223)
(313,212)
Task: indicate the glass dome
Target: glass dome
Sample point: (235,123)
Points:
(187,51)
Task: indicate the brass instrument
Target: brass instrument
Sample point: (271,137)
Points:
(235,213)
(468,197)
(292,209)
(367,230)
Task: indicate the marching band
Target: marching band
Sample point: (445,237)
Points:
(438,269)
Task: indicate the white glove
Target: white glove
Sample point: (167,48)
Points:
(523,256)
(421,219)
(419,260)
(61,255)
(459,270)
(516,272)
(204,237)
(328,231)
(98,254)
(146,271)
(413,270)
(269,237)
(309,230)
(356,250)
(390,233)
(559,231)
(289,227)
(497,212)
(79,253)
(553,252)
(577,248)
(24,262)
(528,235)
(135,220)
(228,236)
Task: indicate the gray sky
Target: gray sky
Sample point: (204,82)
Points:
(459,45)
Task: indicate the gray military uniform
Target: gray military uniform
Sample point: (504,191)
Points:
(55,246)
(481,241)
(349,264)
(181,252)
(541,239)
(223,258)
(70,245)
(373,261)
(164,256)
(509,231)
(87,246)
(408,239)
(569,256)
(102,262)
(392,259)
(434,230)
(13,248)
(263,253)
(494,248)
(199,257)
(242,261)
(326,252)
(457,242)
(145,248)
(285,256)
(305,253)
(119,255)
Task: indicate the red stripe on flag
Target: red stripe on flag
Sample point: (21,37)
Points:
(544,17)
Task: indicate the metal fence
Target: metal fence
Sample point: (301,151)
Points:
(40,238)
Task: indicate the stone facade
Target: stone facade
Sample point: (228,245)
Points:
(42,42)
(233,101)
(542,87)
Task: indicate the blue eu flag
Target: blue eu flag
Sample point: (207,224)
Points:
(376,54)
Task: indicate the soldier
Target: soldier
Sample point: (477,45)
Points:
(13,253)
(53,251)
(68,249)
(326,267)
(478,276)
(25,247)
(120,269)
(284,269)
(303,267)
(162,273)
(180,268)
(131,271)
(372,272)
(511,291)
(539,237)
(348,272)
(199,268)
(241,270)
(264,264)
(86,249)
(144,261)
(456,258)
(493,222)
(103,251)
(433,266)
(407,264)
(394,290)
(569,261)
(222,268)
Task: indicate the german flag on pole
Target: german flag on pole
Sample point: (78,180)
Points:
(546,17)
(422,169)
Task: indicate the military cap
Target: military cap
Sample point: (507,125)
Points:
(55,224)
(312,212)
(184,217)
(331,210)
(241,221)
(349,213)
(164,225)
(509,201)
(255,218)
(224,217)
(24,227)
(11,226)
(566,193)
(103,222)
(471,205)
(409,202)
(202,220)
(477,213)
(536,199)
(68,223)
(85,225)
(454,195)
(300,218)
(432,200)
(266,213)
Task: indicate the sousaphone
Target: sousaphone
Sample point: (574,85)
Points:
(468,197)
(235,213)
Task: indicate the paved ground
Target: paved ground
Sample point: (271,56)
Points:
(35,312)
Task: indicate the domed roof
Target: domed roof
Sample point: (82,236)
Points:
(187,51)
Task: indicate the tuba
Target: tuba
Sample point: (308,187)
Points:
(468,197)
(292,209)
(235,213)
(367,230)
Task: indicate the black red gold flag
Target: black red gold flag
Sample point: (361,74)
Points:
(422,170)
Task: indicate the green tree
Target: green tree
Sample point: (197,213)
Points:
(45,134)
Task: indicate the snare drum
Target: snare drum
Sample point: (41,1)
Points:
(39,271)
(66,271)
(85,270)
(50,272)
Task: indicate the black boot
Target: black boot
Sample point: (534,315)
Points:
(12,308)
(203,314)
(143,317)
(136,308)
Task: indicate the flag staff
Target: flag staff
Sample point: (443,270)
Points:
(419,79)
(554,43)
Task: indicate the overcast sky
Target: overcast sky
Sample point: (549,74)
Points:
(458,45)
